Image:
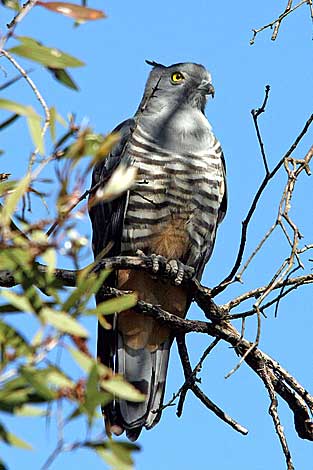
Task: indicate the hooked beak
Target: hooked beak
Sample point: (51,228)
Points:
(207,88)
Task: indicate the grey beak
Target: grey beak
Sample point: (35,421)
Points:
(206,87)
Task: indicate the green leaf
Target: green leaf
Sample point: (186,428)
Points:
(114,305)
(112,460)
(58,378)
(49,258)
(29,410)
(14,5)
(122,450)
(122,389)
(85,289)
(10,400)
(62,321)
(11,439)
(85,362)
(21,302)
(17,108)
(94,397)
(10,337)
(77,294)
(36,133)
(50,57)
(62,76)
(12,257)
(52,112)
(37,379)
(12,199)
(116,454)
(38,338)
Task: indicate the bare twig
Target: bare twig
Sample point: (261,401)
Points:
(275,417)
(13,80)
(36,92)
(184,388)
(277,21)
(25,9)
(182,348)
(255,114)
(229,278)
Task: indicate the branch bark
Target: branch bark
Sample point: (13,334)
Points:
(284,384)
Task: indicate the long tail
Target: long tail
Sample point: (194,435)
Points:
(147,371)
(138,348)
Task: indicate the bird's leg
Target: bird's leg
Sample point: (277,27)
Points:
(176,268)
(173,267)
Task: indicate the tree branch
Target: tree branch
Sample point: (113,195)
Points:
(285,385)
(277,21)
(245,224)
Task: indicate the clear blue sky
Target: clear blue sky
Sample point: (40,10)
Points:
(217,35)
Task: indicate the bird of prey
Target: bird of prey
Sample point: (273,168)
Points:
(172,211)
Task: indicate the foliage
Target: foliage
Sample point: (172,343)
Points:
(53,373)
(34,382)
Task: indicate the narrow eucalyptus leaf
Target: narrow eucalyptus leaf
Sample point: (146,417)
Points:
(62,321)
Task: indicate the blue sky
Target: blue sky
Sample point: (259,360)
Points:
(217,35)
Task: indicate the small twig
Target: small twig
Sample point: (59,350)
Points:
(256,250)
(294,281)
(310,3)
(242,359)
(69,210)
(277,25)
(275,417)
(36,92)
(13,80)
(251,312)
(277,21)
(245,224)
(255,114)
(192,378)
(24,10)
(183,353)
(184,388)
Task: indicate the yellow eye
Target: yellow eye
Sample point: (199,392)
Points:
(177,77)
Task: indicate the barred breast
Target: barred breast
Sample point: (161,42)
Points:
(173,208)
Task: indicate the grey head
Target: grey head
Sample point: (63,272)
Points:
(178,85)
(171,111)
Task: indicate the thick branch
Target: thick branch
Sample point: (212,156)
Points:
(297,398)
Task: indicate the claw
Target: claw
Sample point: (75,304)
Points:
(176,268)
(172,267)
(156,261)
(140,253)
(180,274)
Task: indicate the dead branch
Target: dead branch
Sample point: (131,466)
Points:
(277,22)
(245,224)
(255,114)
(275,417)
(286,386)
(190,384)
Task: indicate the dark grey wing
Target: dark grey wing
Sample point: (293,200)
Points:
(223,207)
(107,220)
(107,217)
(221,214)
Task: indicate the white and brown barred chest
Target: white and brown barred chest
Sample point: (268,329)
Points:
(173,208)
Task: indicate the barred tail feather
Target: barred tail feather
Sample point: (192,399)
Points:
(147,371)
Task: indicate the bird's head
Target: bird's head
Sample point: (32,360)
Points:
(183,84)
